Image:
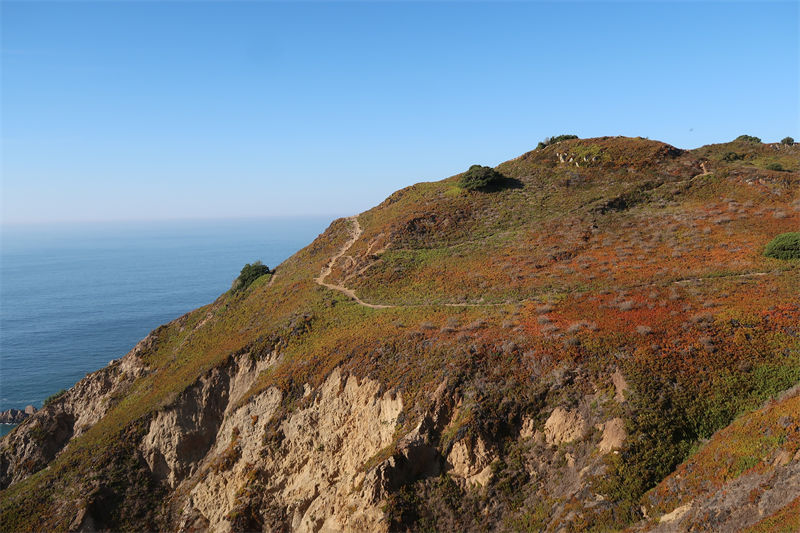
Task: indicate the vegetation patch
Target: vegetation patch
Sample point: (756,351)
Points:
(784,246)
(786,520)
(229,455)
(553,140)
(249,273)
(479,177)
(53,397)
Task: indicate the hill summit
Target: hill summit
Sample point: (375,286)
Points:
(590,338)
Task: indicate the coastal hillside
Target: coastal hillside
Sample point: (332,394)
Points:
(600,334)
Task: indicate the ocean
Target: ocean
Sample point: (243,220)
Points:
(75,296)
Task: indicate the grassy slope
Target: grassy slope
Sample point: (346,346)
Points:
(750,444)
(642,262)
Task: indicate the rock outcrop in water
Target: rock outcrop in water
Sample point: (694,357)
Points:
(15,416)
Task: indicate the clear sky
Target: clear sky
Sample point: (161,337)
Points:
(151,110)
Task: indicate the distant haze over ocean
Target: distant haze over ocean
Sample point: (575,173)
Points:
(75,296)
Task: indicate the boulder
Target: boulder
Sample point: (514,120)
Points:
(12,416)
(614,435)
(564,426)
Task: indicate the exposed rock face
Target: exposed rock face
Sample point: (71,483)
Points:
(315,470)
(620,385)
(528,429)
(564,426)
(614,435)
(182,434)
(48,430)
(312,464)
(214,497)
(471,462)
(675,515)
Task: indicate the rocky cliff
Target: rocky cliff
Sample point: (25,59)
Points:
(595,342)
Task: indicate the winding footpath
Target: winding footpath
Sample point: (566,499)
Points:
(355,233)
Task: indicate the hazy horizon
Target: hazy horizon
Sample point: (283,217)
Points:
(176,111)
(188,219)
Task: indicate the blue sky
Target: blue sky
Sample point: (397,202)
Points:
(155,110)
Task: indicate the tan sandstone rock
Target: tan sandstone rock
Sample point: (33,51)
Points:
(472,463)
(317,472)
(614,435)
(528,429)
(564,426)
(620,385)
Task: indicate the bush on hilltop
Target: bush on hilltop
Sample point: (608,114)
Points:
(748,138)
(552,140)
(787,140)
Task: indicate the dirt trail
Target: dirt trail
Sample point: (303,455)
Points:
(704,173)
(355,233)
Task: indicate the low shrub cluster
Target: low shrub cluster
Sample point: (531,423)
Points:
(249,273)
(552,140)
(748,138)
(479,177)
(784,246)
(787,140)
(53,397)
(775,166)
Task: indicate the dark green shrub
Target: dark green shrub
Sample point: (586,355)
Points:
(784,246)
(731,156)
(552,140)
(787,140)
(53,397)
(748,138)
(478,177)
(775,166)
(249,274)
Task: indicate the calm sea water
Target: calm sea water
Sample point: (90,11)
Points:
(75,296)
